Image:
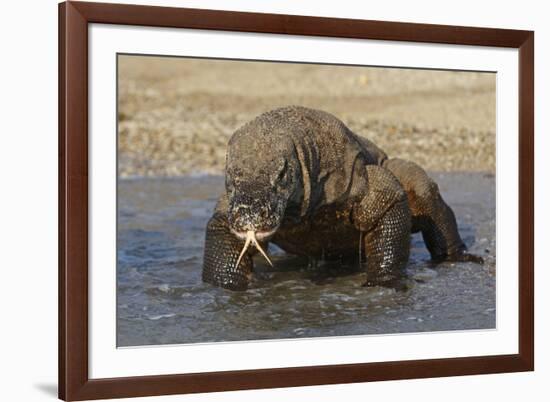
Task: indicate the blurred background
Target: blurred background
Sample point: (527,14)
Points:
(177,114)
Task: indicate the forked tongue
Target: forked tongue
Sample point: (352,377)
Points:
(260,249)
(251,239)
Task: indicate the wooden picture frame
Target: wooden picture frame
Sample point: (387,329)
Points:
(74,381)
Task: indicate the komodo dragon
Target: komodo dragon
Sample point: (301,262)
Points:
(299,178)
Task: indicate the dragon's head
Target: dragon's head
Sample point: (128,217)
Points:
(261,176)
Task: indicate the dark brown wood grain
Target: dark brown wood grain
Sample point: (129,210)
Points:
(526,201)
(74,382)
(73,199)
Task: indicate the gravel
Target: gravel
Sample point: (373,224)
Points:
(176,114)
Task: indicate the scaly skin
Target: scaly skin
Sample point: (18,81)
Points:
(299,178)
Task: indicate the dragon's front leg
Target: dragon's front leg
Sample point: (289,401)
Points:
(384,216)
(221,254)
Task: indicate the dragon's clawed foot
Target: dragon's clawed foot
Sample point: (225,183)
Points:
(461,256)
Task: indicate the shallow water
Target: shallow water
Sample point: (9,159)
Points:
(162,300)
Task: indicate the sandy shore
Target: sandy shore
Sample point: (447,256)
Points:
(176,115)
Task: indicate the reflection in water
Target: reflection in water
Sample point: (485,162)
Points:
(162,300)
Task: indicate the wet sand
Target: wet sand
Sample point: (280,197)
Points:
(162,300)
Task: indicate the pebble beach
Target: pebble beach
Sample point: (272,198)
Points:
(175,115)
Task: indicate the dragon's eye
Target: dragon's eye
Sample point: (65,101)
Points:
(279,179)
(283,171)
